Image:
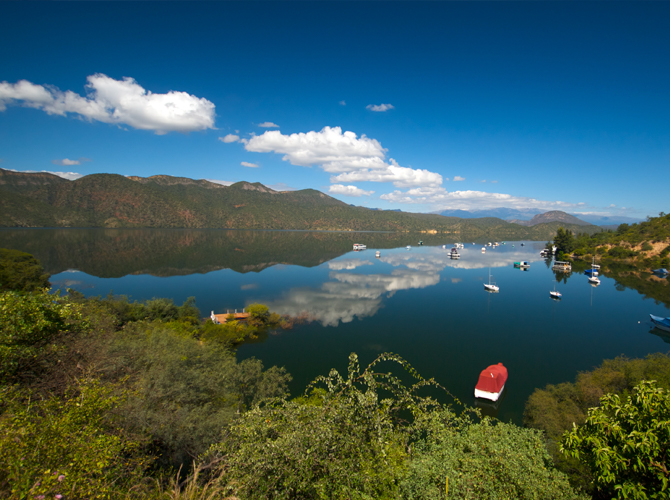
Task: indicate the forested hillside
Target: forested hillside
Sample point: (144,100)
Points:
(106,200)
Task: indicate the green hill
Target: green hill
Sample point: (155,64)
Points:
(110,200)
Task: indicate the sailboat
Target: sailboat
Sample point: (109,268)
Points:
(593,278)
(491,287)
(555,294)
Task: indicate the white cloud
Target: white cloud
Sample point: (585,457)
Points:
(347,264)
(268,125)
(343,103)
(250,165)
(118,102)
(441,199)
(223,183)
(379,107)
(230,138)
(341,153)
(348,190)
(65,175)
(459,178)
(494,182)
(400,176)
(280,186)
(65,162)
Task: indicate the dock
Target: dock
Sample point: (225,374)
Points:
(222,318)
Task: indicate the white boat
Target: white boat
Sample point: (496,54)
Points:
(378,254)
(593,278)
(359,246)
(454,253)
(483,249)
(409,247)
(555,294)
(491,287)
(659,322)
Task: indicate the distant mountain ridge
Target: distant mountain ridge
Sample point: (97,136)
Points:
(110,200)
(527,214)
(553,216)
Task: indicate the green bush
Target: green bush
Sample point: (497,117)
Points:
(626,443)
(21,272)
(67,447)
(185,391)
(28,323)
(487,460)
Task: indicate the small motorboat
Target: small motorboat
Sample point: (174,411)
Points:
(555,294)
(420,242)
(662,323)
(491,382)
(409,247)
(359,246)
(662,271)
(522,265)
(378,254)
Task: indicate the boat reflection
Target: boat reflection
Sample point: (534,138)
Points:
(490,408)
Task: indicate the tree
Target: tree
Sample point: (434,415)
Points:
(626,444)
(565,241)
(21,272)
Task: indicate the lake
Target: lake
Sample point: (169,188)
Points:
(418,303)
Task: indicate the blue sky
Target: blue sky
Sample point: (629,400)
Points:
(417,106)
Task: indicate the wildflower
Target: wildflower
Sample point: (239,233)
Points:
(61,477)
(58,497)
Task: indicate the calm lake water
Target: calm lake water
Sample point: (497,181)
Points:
(418,303)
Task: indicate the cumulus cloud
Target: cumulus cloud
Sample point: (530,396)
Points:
(281,186)
(230,138)
(343,103)
(223,183)
(268,125)
(459,178)
(360,158)
(441,199)
(379,107)
(65,162)
(71,176)
(118,102)
(250,165)
(348,190)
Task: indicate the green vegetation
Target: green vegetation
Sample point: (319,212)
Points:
(112,201)
(20,271)
(555,408)
(627,444)
(645,245)
(107,399)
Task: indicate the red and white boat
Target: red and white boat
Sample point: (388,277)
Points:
(491,382)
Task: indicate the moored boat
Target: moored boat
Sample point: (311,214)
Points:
(662,271)
(523,264)
(491,382)
(491,287)
(378,254)
(662,323)
(359,246)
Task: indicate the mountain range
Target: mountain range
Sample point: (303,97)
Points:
(527,214)
(110,200)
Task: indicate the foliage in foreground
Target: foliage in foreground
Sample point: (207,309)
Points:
(555,408)
(626,443)
(21,272)
(370,436)
(66,446)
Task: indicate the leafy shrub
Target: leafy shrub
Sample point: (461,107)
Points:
(486,460)
(646,246)
(185,391)
(21,272)
(66,447)
(626,443)
(28,322)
